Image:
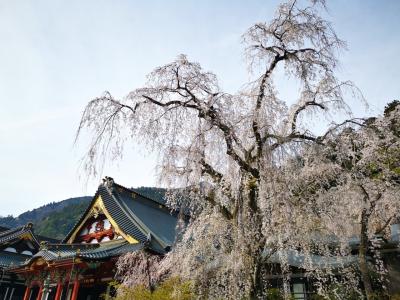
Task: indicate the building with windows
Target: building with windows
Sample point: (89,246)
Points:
(17,246)
(118,220)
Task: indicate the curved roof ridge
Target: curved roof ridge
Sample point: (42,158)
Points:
(13,233)
(145,229)
(141,195)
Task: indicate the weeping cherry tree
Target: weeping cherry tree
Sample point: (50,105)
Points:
(226,151)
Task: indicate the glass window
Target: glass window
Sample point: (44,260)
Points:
(299,291)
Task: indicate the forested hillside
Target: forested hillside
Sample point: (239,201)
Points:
(51,220)
(57,218)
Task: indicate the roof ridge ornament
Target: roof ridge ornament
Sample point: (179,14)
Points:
(148,239)
(29,225)
(44,245)
(108,182)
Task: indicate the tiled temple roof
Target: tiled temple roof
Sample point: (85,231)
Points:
(11,236)
(16,233)
(2,228)
(9,259)
(8,235)
(58,252)
(145,219)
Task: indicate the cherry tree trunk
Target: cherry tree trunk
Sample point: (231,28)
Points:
(362,255)
(257,287)
(256,242)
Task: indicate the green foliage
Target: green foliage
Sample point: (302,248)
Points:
(317,297)
(171,289)
(278,294)
(390,107)
(52,220)
(58,224)
(275,294)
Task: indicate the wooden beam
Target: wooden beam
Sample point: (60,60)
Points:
(27,292)
(76,289)
(59,291)
(40,294)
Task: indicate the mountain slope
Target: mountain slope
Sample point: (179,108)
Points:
(51,220)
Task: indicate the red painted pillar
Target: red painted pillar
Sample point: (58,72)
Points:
(39,296)
(27,292)
(59,290)
(75,290)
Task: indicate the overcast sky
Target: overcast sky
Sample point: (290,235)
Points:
(57,55)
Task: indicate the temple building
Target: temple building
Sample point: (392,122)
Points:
(117,221)
(17,246)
